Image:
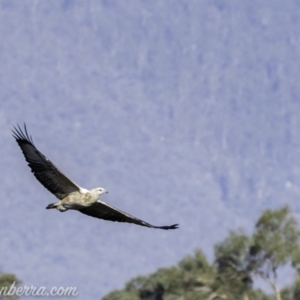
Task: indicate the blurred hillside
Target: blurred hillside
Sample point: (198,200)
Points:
(186,112)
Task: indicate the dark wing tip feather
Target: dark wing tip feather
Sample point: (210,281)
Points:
(175,226)
(21,136)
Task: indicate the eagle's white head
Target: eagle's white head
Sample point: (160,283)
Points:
(99,191)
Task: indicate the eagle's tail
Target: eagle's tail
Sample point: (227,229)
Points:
(51,205)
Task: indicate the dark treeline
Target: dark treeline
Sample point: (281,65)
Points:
(6,280)
(239,260)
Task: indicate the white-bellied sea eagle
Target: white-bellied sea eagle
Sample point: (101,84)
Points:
(71,195)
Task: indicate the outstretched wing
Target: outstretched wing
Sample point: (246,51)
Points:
(101,210)
(42,168)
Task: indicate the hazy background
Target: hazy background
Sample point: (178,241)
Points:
(186,111)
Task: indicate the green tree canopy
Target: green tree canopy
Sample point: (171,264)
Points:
(231,260)
(275,244)
(239,260)
(6,280)
(191,278)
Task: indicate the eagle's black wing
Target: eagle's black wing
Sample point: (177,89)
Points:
(42,168)
(101,210)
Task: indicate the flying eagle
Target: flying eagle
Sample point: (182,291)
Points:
(71,195)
